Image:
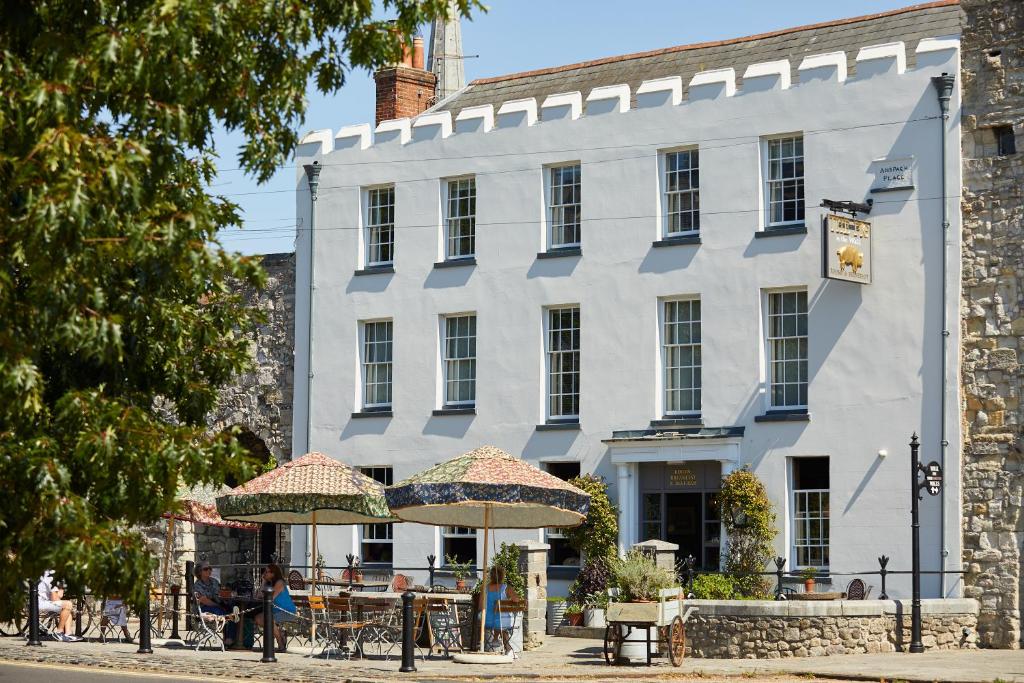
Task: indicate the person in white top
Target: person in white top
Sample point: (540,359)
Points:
(51,602)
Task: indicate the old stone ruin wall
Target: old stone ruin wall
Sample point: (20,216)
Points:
(992,74)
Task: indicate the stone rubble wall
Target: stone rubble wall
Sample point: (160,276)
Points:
(992,306)
(746,632)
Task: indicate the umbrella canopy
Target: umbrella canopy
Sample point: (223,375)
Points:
(314,489)
(199,505)
(512,493)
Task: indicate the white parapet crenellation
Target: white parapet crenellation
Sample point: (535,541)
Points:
(936,51)
(607,99)
(565,105)
(434,126)
(767,76)
(660,91)
(315,142)
(709,85)
(875,60)
(478,119)
(359,136)
(830,66)
(395,129)
(515,113)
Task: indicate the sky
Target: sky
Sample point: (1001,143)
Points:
(519,35)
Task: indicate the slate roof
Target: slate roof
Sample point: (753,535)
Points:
(910,24)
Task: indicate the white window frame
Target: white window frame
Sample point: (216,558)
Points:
(693,191)
(370,226)
(823,518)
(451,218)
(696,365)
(549,356)
(388,527)
(551,208)
(457,532)
(365,364)
(769,355)
(447,360)
(767,182)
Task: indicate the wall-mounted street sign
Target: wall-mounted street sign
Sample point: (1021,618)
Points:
(847,244)
(933,478)
(893,174)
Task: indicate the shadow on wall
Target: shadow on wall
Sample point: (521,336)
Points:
(364,426)
(664,260)
(448,277)
(555,267)
(549,444)
(451,426)
(375,282)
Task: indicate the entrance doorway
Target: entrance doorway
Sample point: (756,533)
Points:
(690,520)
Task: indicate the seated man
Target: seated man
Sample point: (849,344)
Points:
(207,593)
(51,603)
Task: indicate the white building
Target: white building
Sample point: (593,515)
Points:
(616,268)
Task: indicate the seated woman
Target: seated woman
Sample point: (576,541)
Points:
(284,608)
(207,593)
(499,623)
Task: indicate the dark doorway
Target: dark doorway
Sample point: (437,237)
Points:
(268,543)
(683,523)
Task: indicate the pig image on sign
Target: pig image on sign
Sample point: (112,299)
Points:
(850,256)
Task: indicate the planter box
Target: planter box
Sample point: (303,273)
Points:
(556,615)
(594,617)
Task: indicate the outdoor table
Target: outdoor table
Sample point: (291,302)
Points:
(816,596)
(370,585)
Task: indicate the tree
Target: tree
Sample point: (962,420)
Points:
(118,316)
(749,519)
(598,536)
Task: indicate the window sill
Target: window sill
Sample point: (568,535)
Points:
(386,412)
(454,411)
(560,252)
(680,421)
(562,572)
(559,426)
(781,230)
(375,270)
(456,262)
(784,416)
(676,241)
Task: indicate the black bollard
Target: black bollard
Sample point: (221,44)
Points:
(175,594)
(431,559)
(145,634)
(408,638)
(190,582)
(882,562)
(268,625)
(33,615)
(780,562)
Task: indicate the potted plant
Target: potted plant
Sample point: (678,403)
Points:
(639,582)
(808,574)
(594,610)
(639,579)
(574,613)
(556,613)
(459,570)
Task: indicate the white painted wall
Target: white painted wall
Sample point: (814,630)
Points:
(874,350)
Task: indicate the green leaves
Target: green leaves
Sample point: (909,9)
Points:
(120,315)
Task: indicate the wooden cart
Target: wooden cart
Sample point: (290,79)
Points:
(667,615)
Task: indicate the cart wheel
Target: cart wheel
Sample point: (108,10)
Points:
(612,643)
(676,641)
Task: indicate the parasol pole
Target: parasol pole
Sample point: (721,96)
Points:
(167,569)
(315,568)
(484,580)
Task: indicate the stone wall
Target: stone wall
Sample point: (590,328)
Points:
(992,53)
(772,630)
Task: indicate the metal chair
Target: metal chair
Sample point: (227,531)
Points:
(501,637)
(444,625)
(856,590)
(296,581)
(206,628)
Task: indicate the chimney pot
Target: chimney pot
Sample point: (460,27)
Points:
(417,52)
(406,55)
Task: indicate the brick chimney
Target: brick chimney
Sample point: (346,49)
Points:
(406,89)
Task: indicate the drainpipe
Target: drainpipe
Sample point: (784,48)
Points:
(313,178)
(944,89)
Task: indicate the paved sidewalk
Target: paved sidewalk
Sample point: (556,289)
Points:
(561,659)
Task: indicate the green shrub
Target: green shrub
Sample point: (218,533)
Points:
(638,578)
(714,587)
(591,583)
(749,519)
(507,558)
(598,536)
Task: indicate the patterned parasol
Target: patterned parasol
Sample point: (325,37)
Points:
(199,505)
(517,494)
(315,489)
(488,488)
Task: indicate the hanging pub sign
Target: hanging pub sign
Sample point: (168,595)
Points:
(847,249)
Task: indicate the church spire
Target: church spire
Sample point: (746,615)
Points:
(445,56)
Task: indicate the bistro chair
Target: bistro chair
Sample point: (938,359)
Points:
(856,590)
(443,623)
(497,638)
(321,617)
(346,627)
(296,582)
(206,628)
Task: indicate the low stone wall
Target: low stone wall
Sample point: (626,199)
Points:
(733,629)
